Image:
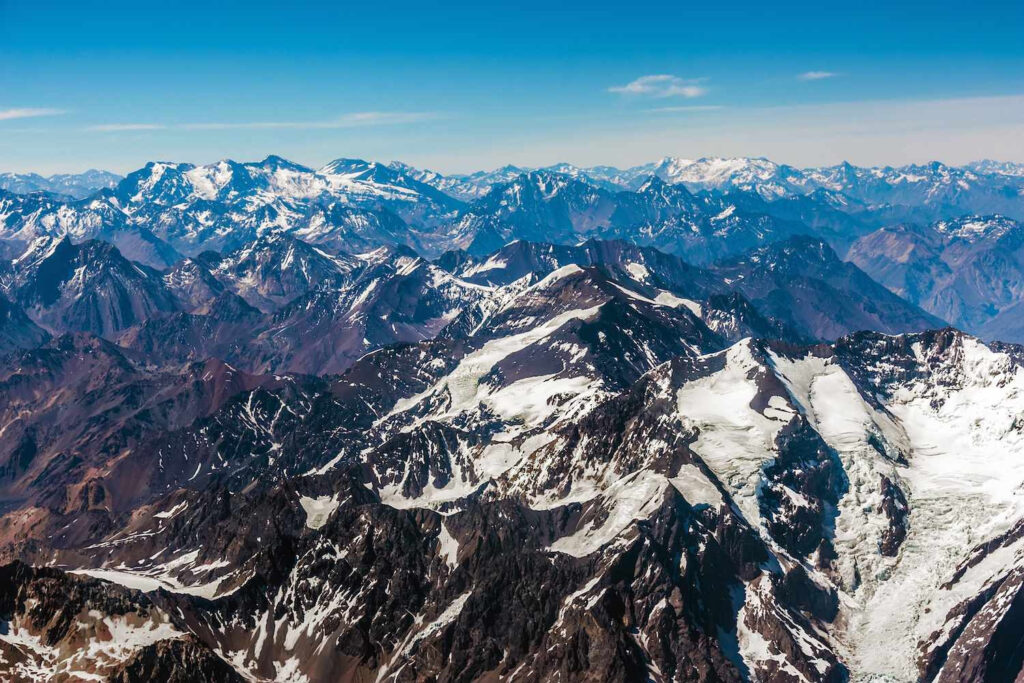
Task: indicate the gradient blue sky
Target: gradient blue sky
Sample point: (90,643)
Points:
(463,86)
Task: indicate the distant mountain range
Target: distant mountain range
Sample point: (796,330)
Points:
(759,175)
(704,211)
(75,185)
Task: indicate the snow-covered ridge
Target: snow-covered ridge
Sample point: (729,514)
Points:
(975,228)
(397,180)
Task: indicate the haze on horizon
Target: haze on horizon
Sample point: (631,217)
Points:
(469,86)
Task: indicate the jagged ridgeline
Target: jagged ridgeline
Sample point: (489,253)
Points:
(688,421)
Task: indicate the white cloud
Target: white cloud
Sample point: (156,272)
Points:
(661,85)
(816,75)
(27,113)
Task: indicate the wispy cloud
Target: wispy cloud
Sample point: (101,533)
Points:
(692,108)
(352,120)
(27,113)
(816,75)
(661,85)
(114,127)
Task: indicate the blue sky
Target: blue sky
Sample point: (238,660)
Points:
(462,86)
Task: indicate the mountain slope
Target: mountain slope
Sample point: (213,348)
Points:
(396,297)
(17,331)
(969,271)
(272,271)
(26,218)
(77,405)
(797,289)
(545,206)
(59,626)
(88,287)
(802,283)
(763,511)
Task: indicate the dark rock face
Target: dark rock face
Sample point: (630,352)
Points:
(401,299)
(894,505)
(984,641)
(219,329)
(192,283)
(58,627)
(492,585)
(320,312)
(796,290)
(980,636)
(805,466)
(734,317)
(54,598)
(180,660)
(500,601)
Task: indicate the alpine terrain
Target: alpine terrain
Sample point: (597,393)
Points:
(695,420)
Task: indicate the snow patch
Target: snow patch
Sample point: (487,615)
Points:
(318,509)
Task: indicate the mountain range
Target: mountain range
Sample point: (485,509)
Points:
(74,185)
(708,421)
(704,211)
